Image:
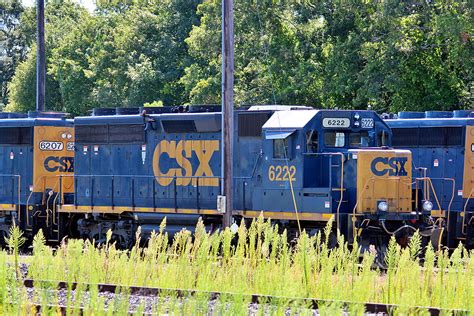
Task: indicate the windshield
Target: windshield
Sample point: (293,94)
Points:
(360,139)
(334,139)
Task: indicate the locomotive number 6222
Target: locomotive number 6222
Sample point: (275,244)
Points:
(282,173)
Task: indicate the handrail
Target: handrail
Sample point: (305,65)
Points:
(340,154)
(28,201)
(427,196)
(463,230)
(354,214)
(197,186)
(371,179)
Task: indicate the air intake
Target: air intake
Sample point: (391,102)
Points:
(204,108)
(156,109)
(12,115)
(103,111)
(463,113)
(411,115)
(127,111)
(39,114)
(439,114)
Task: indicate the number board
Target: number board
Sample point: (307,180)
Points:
(367,123)
(70,146)
(336,122)
(51,145)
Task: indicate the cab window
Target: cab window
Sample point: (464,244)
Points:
(382,138)
(359,139)
(312,141)
(280,148)
(334,139)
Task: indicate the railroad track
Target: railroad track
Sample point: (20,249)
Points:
(142,291)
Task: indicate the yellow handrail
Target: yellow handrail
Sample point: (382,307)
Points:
(463,231)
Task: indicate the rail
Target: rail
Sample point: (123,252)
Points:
(314,303)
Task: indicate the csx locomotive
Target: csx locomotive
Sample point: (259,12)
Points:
(127,168)
(442,145)
(34,150)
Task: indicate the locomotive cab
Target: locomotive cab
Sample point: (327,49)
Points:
(323,163)
(37,165)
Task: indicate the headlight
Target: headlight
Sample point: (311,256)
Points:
(383,206)
(427,206)
(234,228)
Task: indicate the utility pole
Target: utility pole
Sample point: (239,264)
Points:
(227,106)
(40,56)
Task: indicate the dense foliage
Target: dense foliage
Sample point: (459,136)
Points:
(12,44)
(390,55)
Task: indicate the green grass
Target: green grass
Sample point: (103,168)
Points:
(261,262)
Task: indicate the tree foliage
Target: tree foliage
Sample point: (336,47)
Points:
(12,44)
(61,16)
(390,55)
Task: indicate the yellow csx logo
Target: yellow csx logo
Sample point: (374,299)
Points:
(180,153)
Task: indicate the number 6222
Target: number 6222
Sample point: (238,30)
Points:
(282,173)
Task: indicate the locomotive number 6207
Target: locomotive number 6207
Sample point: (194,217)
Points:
(48,145)
(281,173)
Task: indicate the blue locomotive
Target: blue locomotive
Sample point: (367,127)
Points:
(35,149)
(442,145)
(296,165)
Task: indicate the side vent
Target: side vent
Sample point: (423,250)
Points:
(127,133)
(250,124)
(91,134)
(427,137)
(103,134)
(16,135)
(179,126)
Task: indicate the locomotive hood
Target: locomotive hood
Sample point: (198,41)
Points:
(383,176)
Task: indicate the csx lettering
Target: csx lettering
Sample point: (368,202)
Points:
(394,166)
(61,164)
(181,152)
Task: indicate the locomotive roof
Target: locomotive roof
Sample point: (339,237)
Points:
(290,119)
(139,119)
(430,122)
(300,118)
(39,121)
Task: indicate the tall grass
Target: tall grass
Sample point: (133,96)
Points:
(255,260)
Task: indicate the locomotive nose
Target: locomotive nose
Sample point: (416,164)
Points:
(384,181)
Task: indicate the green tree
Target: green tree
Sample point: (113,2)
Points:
(126,57)
(390,55)
(61,16)
(12,45)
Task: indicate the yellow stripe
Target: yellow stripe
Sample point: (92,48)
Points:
(251,214)
(7,207)
(122,209)
(287,215)
(438,213)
